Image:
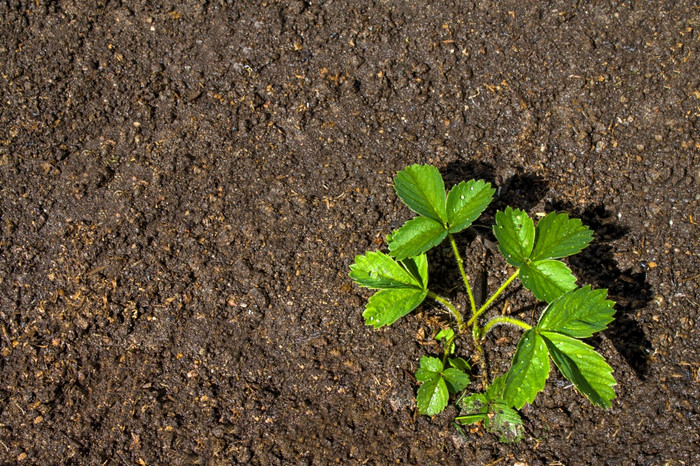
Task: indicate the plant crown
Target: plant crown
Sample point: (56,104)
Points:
(570,314)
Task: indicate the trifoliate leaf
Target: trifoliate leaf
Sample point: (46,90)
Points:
(515,232)
(459,363)
(422,189)
(386,306)
(528,371)
(465,202)
(455,379)
(415,237)
(432,396)
(558,236)
(579,313)
(438,382)
(489,407)
(581,365)
(377,270)
(418,267)
(547,279)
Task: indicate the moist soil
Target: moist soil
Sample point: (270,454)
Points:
(185,185)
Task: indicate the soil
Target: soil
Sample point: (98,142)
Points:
(185,185)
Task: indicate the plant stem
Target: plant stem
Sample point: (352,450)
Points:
(450,307)
(446,349)
(500,321)
(460,264)
(486,305)
(482,357)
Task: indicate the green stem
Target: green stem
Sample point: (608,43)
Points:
(460,264)
(450,307)
(500,321)
(482,357)
(486,305)
(446,349)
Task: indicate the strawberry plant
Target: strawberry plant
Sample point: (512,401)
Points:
(570,313)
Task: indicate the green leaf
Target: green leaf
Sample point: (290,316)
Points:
(489,407)
(423,375)
(377,270)
(386,306)
(418,267)
(415,237)
(447,334)
(473,408)
(528,371)
(422,189)
(515,232)
(467,419)
(403,285)
(579,313)
(506,423)
(558,236)
(459,363)
(429,368)
(581,365)
(432,396)
(495,391)
(465,202)
(547,279)
(455,379)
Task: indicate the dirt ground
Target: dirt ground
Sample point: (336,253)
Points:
(184,186)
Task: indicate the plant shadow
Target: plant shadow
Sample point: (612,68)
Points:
(596,265)
(522,190)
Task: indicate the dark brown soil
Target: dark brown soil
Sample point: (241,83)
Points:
(184,186)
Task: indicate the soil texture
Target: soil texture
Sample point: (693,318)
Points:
(184,185)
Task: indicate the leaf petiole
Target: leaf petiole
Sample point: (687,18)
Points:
(448,348)
(460,264)
(500,290)
(500,321)
(481,356)
(450,307)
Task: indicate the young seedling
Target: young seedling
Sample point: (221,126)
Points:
(571,313)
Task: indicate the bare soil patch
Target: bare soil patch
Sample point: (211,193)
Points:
(184,186)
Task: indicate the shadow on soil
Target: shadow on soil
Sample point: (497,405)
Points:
(629,289)
(521,190)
